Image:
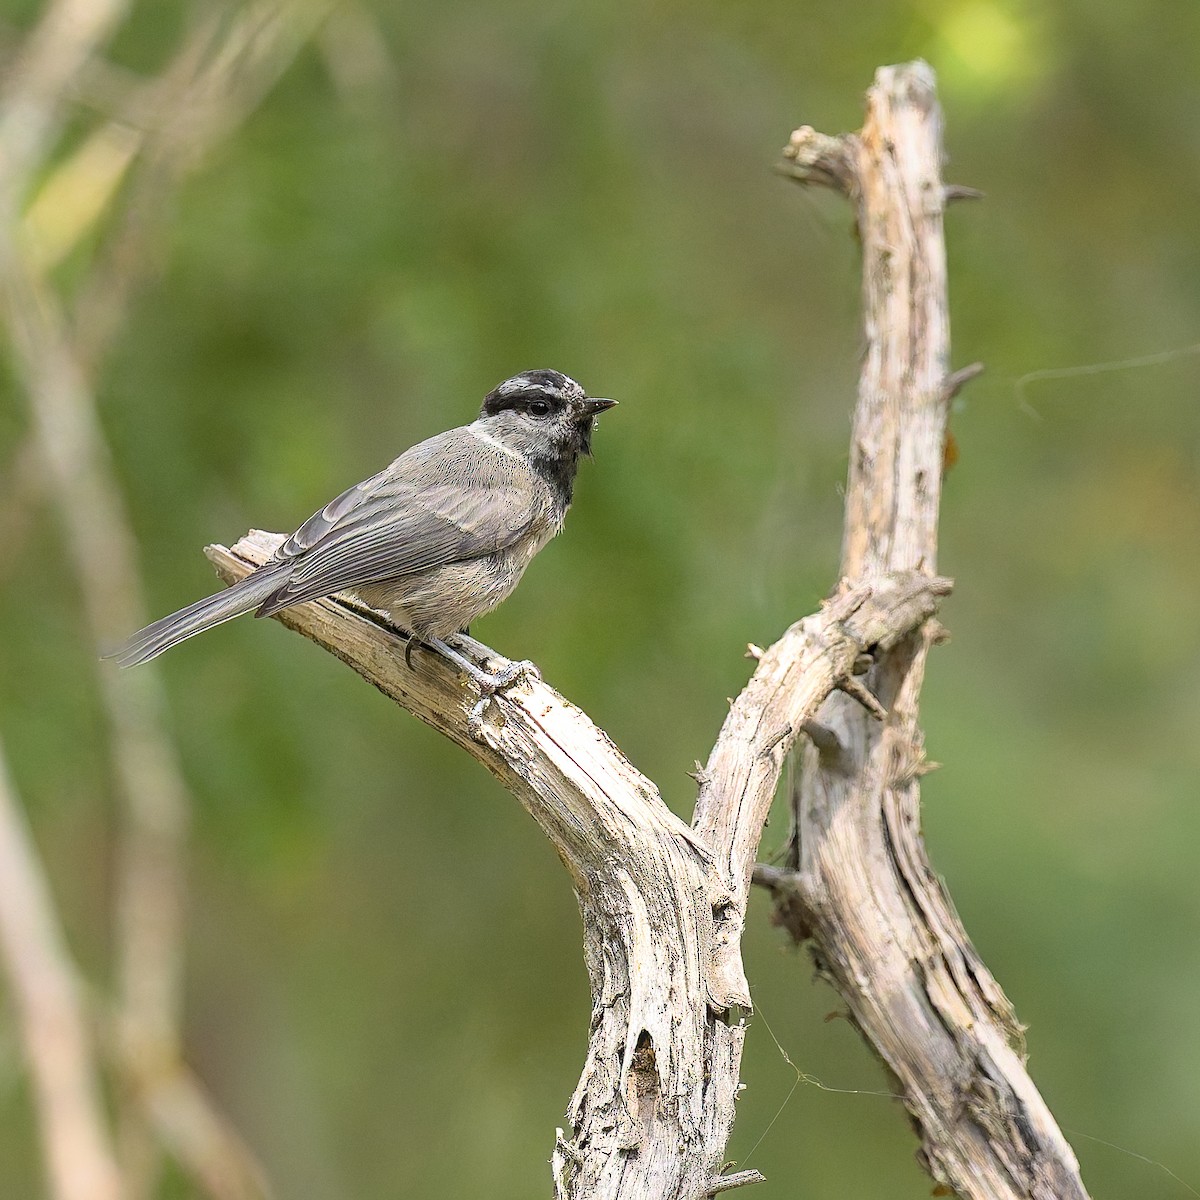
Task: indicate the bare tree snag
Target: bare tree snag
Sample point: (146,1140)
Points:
(882,926)
(662,904)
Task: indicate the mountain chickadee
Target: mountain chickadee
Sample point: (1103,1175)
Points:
(433,541)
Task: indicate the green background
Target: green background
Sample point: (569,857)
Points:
(384,981)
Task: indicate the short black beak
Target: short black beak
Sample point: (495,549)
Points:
(593,405)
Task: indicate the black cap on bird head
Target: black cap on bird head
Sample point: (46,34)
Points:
(555,401)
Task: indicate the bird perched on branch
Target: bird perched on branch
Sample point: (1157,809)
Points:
(433,541)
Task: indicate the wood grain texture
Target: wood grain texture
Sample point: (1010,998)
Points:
(662,903)
(860,885)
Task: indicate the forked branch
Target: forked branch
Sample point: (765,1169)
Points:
(662,904)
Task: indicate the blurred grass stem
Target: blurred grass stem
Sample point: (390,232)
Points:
(80,1164)
(222,72)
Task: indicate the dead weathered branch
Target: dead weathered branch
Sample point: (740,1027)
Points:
(663,905)
(793,678)
(656,1077)
(860,883)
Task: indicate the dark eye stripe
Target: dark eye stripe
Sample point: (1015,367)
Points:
(526,399)
(511,396)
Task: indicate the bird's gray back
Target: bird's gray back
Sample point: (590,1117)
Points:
(452,498)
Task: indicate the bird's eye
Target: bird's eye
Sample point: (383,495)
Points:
(539,408)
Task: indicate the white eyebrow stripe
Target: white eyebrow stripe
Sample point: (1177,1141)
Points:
(495,443)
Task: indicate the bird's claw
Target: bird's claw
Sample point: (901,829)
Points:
(490,685)
(511,672)
(475,716)
(488,682)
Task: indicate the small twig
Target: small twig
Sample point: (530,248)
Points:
(726,1183)
(959,191)
(858,691)
(199,1137)
(957,380)
(769,876)
(791,909)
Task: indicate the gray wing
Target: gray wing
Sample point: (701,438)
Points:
(411,518)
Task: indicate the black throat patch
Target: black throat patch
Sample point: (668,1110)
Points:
(558,470)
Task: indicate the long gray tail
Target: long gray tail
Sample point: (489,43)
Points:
(248,593)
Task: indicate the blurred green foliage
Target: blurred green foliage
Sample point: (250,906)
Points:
(385,986)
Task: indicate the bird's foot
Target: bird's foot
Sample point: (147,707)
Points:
(489,683)
(512,671)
